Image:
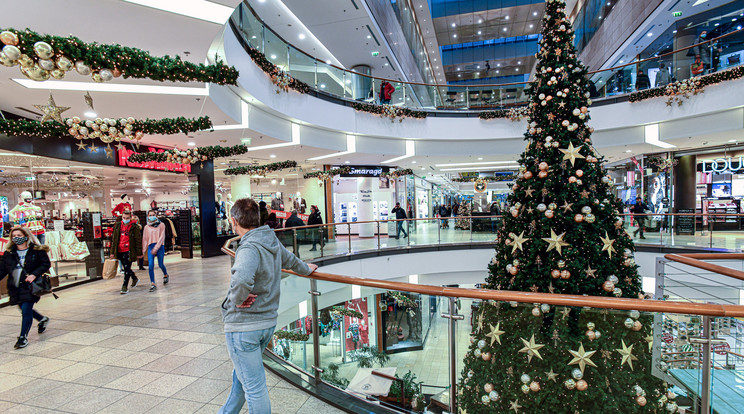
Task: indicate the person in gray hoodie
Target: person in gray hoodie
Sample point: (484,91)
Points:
(249,311)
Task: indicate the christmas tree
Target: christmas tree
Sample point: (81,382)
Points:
(562,234)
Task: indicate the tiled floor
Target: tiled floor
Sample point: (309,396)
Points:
(159,352)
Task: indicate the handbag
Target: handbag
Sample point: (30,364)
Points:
(41,285)
(697,66)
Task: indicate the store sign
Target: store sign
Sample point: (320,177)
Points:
(122,160)
(366,171)
(722,165)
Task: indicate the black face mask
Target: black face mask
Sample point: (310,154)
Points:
(20,240)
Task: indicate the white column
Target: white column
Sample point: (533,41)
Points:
(364,210)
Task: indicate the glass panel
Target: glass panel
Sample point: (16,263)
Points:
(331,80)
(295,317)
(728,361)
(251,27)
(276,50)
(302,67)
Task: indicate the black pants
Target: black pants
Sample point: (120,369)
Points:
(126,264)
(641,221)
(28,314)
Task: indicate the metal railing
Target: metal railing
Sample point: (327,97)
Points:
(357,87)
(690,369)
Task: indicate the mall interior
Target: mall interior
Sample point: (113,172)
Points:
(494,191)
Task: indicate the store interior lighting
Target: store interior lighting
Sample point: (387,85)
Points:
(198,9)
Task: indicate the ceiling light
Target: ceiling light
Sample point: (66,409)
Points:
(732,140)
(519,62)
(322,85)
(459,75)
(198,9)
(413,162)
(479,32)
(461,164)
(90,114)
(191,144)
(347,162)
(480,20)
(649,34)
(369,37)
(453,25)
(477,66)
(716,25)
(273,56)
(410,152)
(112,87)
(301,36)
(531,26)
(505,167)
(272,156)
(517,69)
(480,158)
(628,150)
(497,71)
(534,13)
(506,17)
(477,73)
(458,69)
(674,31)
(455,35)
(505,29)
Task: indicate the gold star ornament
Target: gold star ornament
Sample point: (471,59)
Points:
(495,333)
(571,154)
(518,241)
(51,111)
(531,348)
(529,191)
(591,272)
(109,151)
(552,375)
(81,145)
(582,358)
(567,207)
(607,244)
(555,241)
(93,148)
(627,354)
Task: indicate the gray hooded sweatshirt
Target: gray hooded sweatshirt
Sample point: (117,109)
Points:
(259,261)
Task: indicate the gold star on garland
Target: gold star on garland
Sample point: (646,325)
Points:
(567,207)
(81,145)
(584,194)
(591,272)
(109,151)
(52,111)
(514,405)
(561,104)
(93,148)
(480,321)
(650,340)
(531,348)
(582,358)
(529,191)
(555,242)
(627,353)
(571,154)
(552,375)
(533,288)
(607,244)
(120,146)
(518,241)
(495,333)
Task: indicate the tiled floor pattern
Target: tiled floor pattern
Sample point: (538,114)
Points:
(159,352)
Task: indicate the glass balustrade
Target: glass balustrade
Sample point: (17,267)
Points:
(348,85)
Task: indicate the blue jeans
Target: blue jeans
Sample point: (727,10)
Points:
(400,228)
(28,314)
(249,378)
(151,261)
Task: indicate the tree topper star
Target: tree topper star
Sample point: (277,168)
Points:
(571,154)
(518,241)
(52,111)
(627,353)
(582,358)
(531,348)
(607,244)
(495,333)
(555,241)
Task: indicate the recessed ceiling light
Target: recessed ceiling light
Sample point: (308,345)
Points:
(628,150)
(322,85)
(649,34)
(479,32)
(273,56)
(480,158)
(732,140)
(459,75)
(498,64)
(674,31)
(480,20)
(328,61)
(413,162)
(531,26)
(534,13)
(301,36)
(517,69)
(477,67)
(191,144)
(519,62)
(506,17)
(347,162)
(369,37)
(272,156)
(497,71)
(505,29)
(454,25)
(716,25)
(223,163)
(458,69)
(477,73)
(455,35)
(90,114)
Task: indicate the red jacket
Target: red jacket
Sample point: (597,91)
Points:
(387,90)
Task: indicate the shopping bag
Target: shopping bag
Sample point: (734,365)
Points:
(697,67)
(110,266)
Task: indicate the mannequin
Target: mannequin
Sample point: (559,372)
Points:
(219,206)
(26,214)
(228,206)
(124,204)
(277,204)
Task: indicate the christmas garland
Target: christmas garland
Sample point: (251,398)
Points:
(327,175)
(85,129)
(41,56)
(189,156)
(508,177)
(662,164)
(397,173)
(347,312)
(515,114)
(389,111)
(292,336)
(677,91)
(261,169)
(281,79)
(402,300)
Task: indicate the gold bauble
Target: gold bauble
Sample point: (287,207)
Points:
(6,61)
(12,52)
(9,38)
(64,63)
(25,61)
(43,50)
(641,400)
(97,78)
(581,385)
(57,74)
(47,64)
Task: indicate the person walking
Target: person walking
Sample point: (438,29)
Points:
(126,243)
(386,92)
(153,245)
(264,212)
(494,210)
(639,214)
(24,261)
(443,216)
(249,311)
(316,232)
(400,215)
(294,220)
(663,77)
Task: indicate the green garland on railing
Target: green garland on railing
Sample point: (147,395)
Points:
(280,78)
(496,178)
(402,300)
(327,175)
(165,126)
(261,169)
(397,173)
(687,86)
(389,111)
(515,114)
(42,56)
(292,336)
(347,312)
(191,155)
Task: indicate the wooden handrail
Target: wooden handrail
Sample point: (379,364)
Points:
(600,302)
(694,260)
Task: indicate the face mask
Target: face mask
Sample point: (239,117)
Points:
(702,36)
(125,221)
(20,240)
(152,218)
